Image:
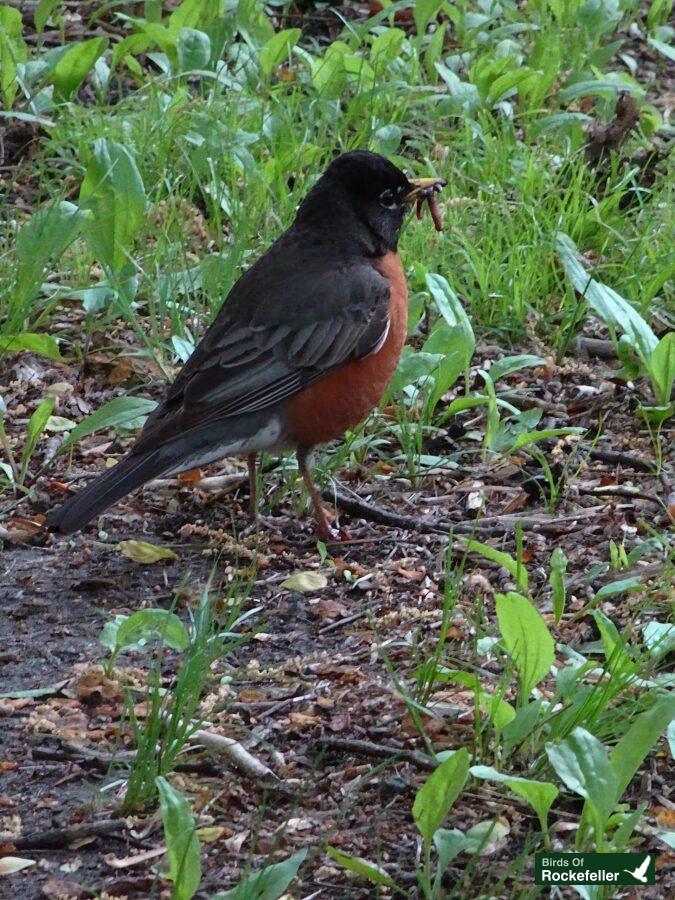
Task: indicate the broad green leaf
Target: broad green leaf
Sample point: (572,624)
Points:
(112,190)
(305,582)
(12,52)
(268,884)
(583,765)
(484,837)
(557,581)
(193,48)
(36,425)
(449,843)
(526,639)
(510,364)
(521,726)
(181,839)
(277,49)
(119,411)
(386,47)
(641,737)
(535,437)
(190,14)
(662,368)
(436,796)
(663,48)
(57,424)
(518,571)
(43,11)
(539,794)
(449,306)
(361,867)
(152,623)
(499,710)
(40,243)
(659,638)
(622,586)
(610,306)
(75,65)
(142,552)
(423,12)
(506,83)
(253,24)
(43,344)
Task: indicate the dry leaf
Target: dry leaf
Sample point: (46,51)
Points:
(144,553)
(11,864)
(305,582)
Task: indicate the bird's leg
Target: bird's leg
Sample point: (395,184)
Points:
(323,525)
(252,488)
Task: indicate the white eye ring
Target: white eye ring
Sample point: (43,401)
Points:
(388,199)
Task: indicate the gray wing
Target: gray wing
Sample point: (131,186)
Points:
(285,324)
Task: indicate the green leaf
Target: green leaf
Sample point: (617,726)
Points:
(583,765)
(75,64)
(151,623)
(43,11)
(436,796)
(663,48)
(484,836)
(278,49)
(662,368)
(189,14)
(517,570)
(449,843)
(610,306)
(521,726)
(506,83)
(253,24)
(268,884)
(361,867)
(510,364)
(659,638)
(423,12)
(36,425)
(539,794)
(614,588)
(557,581)
(142,552)
(536,437)
(386,47)
(630,752)
(193,48)
(119,411)
(113,192)
(43,344)
(182,843)
(526,639)
(40,243)
(307,582)
(12,52)
(450,307)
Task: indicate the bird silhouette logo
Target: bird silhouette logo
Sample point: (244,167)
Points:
(640,874)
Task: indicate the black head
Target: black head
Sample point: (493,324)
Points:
(363,194)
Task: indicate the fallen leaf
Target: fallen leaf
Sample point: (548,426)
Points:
(212,833)
(11,864)
(144,553)
(62,889)
(305,582)
(234,844)
(192,476)
(93,685)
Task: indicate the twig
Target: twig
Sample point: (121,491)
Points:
(60,838)
(585,346)
(494,525)
(614,458)
(379,751)
(235,753)
(621,490)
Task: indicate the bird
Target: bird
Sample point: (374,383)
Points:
(301,350)
(640,873)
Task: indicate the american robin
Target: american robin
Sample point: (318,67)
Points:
(302,349)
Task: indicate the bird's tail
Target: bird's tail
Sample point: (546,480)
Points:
(102,492)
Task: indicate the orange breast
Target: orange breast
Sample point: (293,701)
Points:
(342,399)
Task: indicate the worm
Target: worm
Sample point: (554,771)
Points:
(434,209)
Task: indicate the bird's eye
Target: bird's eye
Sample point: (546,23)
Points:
(388,199)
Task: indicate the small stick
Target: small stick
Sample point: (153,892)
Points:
(613,458)
(60,838)
(379,751)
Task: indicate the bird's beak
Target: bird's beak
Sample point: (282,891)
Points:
(424,187)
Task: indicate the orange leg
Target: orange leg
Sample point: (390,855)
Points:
(252,488)
(323,525)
